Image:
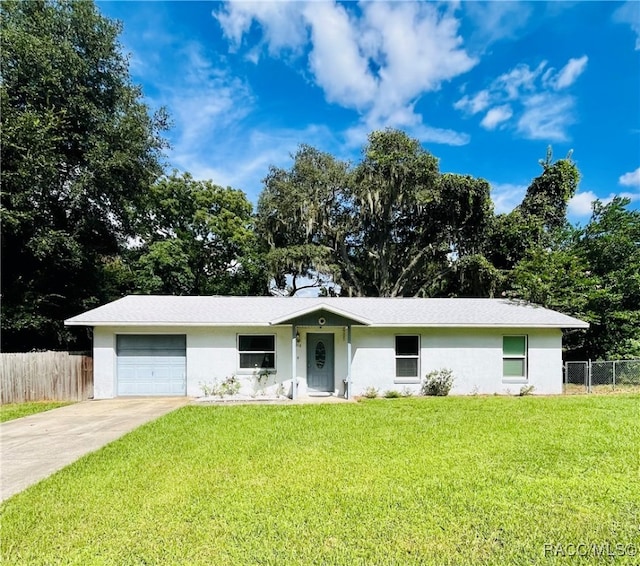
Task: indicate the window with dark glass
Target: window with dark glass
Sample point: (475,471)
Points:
(407,357)
(257,351)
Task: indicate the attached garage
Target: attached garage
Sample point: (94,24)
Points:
(151,364)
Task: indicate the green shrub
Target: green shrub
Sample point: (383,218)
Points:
(392,394)
(438,382)
(229,386)
(370,393)
(526,390)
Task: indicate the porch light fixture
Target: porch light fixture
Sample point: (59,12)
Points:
(298,337)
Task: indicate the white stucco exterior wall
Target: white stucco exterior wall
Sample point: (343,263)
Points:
(474,356)
(104,363)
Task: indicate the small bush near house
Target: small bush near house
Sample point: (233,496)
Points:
(370,393)
(207,389)
(406,392)
(230,386)
(526,390)
(438,383)
(392,394)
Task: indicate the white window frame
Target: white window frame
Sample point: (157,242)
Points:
(240,352)
(524,357)
(401,379)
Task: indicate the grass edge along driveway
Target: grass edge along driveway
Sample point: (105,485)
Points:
(11,411)
(476,480)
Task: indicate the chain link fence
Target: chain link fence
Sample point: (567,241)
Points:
(602,377)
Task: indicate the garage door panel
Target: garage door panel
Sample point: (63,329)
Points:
(151,364)
(152,343)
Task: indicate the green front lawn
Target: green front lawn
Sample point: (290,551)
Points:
(12,411)
(476,480)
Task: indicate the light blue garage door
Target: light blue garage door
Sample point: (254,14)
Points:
(152,364)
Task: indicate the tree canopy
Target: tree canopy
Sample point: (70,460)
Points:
(79,150)
(594,274)
(195,238)
(385,227)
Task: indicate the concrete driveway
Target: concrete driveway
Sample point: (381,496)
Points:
(33,447)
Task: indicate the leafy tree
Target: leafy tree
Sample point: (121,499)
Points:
(594,274)
(196,238)
(536,221)
(610,245)
(299,216)
(549,194)
(79,151)
(387,227)
(394,234)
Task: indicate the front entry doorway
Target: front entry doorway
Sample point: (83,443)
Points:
(320,362)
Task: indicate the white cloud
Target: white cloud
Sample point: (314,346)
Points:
(214,133)
(527,100)
(631,196)
(496,116)
(375,58)
(474,104)
(440,135)
(567,75)
(506,196)
(546,117)
(497,20)
(580,204)
(519,80)
(408,121)
(629,13)
(419,48)
(281,23)
(336,60)
(631,179)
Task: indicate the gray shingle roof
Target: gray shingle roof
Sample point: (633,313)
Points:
(154,310)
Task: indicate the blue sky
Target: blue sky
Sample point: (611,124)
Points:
(486,87)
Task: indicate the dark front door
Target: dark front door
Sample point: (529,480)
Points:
(320,362)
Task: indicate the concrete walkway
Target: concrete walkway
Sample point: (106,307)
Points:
(34,447)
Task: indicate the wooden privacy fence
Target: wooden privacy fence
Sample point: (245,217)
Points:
(45,376)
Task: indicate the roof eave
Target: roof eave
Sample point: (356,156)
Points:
(478,325)
(161,323)
(283,322)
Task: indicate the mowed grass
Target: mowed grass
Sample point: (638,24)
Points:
(10,411)
(478,480)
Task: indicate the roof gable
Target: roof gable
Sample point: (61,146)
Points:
(312,315)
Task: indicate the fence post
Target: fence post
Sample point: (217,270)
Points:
(589,377)
(614,375)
